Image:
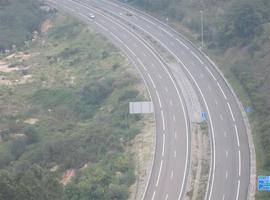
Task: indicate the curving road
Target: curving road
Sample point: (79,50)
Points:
(230,158)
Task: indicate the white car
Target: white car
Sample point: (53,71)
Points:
(91,16)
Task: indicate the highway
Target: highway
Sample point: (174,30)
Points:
(230,154)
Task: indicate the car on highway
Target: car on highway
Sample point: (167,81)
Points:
(91,16)
(129,14)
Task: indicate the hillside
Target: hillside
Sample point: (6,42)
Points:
(18,21)
(65,130)
(237,37)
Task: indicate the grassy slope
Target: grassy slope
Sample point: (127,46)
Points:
(79,92)
(244,60)
(19,27)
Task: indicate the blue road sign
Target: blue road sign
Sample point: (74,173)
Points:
(203,116)
(263,183)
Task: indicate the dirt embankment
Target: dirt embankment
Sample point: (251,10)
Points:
(143,150)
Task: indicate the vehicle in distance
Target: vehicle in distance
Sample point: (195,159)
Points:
(91,16)
(129,14)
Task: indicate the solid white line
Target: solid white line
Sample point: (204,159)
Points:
(151,80)
(239,159)
(229,106)
(166,198)
(130,50)
(237,135)
(165,31)
(209,71)
(115,36)
(139,60)
(174,119)
(163,145)
(147,20)
(182,43)
(174,155)
(227,153)
(178,93)
(103,27)
(223,197)
(226,175)
(197,57)
(221,90)
(159,101)
(163,121)
(238,188)
(153,197)
(160,169)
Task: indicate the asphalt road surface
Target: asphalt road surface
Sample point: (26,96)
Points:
(230,155)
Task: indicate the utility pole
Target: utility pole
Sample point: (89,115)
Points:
(201,11)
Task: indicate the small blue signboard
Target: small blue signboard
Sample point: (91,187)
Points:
(263,183)
(248,109)
(203,116)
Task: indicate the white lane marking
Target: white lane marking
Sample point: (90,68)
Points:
(221,90)
(153,196)
(216,102)
(223,197)
(159,101)
(115,36)
(130,50)
(174,154)
(103,27)
(166,198)
(171,103)
(229,106)
(147,20)
(239,159)
(163,145)
(221,117)
(209,71)
(171,177)
(238,188)
(163,121)
(174,119)
(182,43)
(160,169)
(141,63)
(237,135)
(197,57)
(165,31)
(225,134)
(226,175)
(175,135)
(166,89)
(151,80)
(178,93)
(227,153)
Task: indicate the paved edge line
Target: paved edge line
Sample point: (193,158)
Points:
(252,184)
